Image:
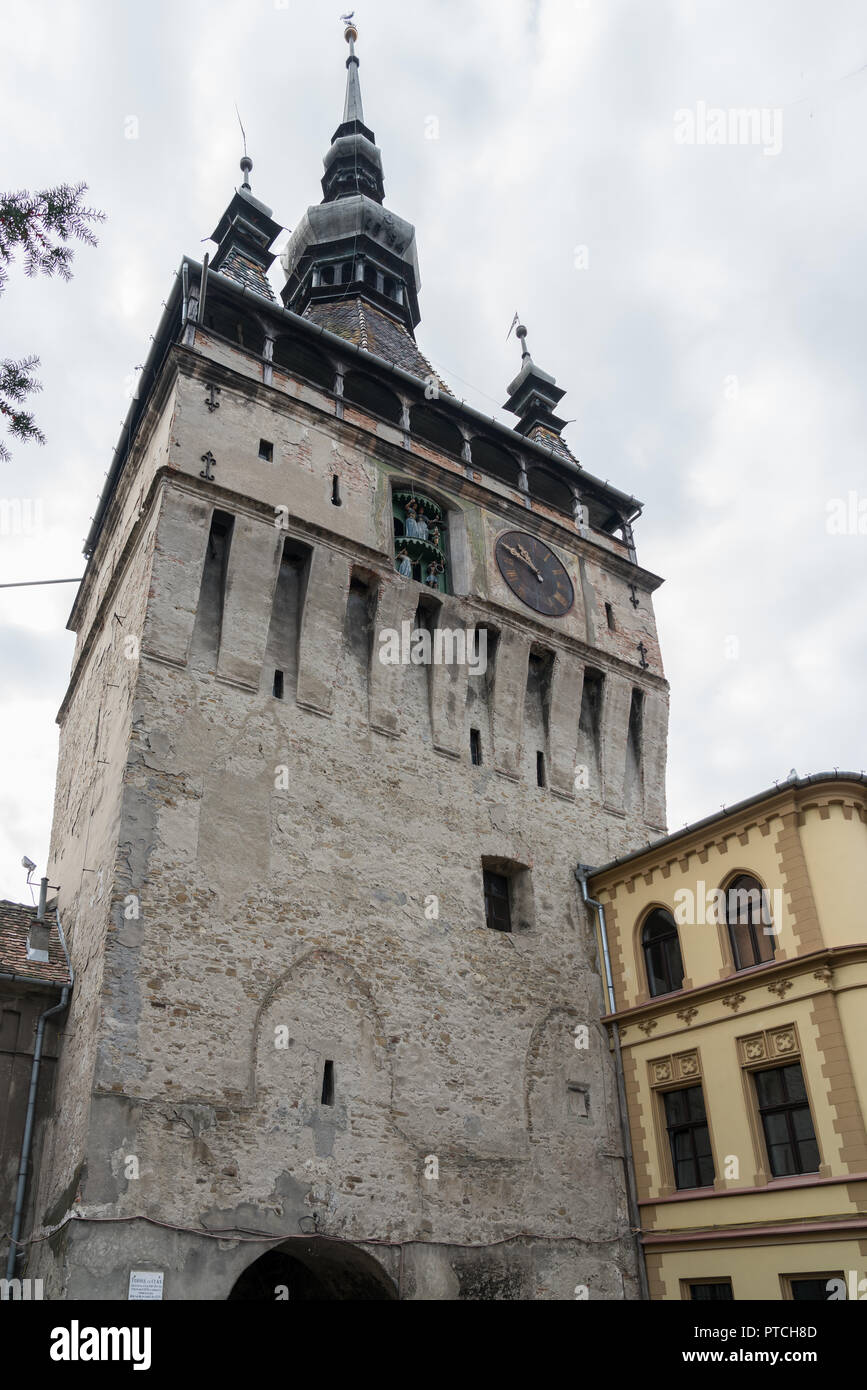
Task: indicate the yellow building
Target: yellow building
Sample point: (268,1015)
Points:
(737,973)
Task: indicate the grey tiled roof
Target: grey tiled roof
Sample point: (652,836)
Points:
(367,327)
(16,920)
(244,271)
(549,439)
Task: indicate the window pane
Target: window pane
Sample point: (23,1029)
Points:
(711,1292)
(782,1160)
(809,1289)
(673,963)
(776,1128)
(675,1108)
(802,1123)
(808,1156)
(695,1100)
(769,1086)
(705,1170)
(793,1080)
(766,943)
(742,949)
(685,1174)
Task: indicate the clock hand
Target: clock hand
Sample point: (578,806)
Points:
(521,554)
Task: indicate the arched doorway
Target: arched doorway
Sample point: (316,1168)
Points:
(308,1271)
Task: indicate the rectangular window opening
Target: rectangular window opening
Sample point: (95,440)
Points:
(335,491)
(718,1292)
(475,748)
(609,615)
(786,1120)
(498,914)
(689,1138)
(278,685)
(266,450)
(540,769)
(328,1084)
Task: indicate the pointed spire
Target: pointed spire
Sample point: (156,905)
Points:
(244,235)
(533,394)
(352,108)
(353,164)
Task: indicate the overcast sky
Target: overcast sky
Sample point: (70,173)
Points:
(702,303)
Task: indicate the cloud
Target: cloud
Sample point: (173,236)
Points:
(555,131)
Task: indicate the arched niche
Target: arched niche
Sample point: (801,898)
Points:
(370,395)
(299,358)
(552,491)
(229,321)
(434,428)
(493,459)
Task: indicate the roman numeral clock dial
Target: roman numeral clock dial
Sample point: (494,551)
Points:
(534,573)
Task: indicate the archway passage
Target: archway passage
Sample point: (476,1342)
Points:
(310,1271)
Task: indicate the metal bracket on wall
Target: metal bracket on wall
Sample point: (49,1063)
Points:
(210,463)
(210,402)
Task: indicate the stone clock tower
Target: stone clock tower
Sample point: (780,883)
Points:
(335,1025)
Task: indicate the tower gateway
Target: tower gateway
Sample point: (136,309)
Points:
(335,1029)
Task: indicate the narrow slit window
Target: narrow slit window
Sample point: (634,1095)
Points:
(335,491)
(328,1084)
(278,685)
(475,748)
(609,616)
(540,769)
(266,450)
(498,915)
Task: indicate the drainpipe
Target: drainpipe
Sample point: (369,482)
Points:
(582,873)
(31,1108)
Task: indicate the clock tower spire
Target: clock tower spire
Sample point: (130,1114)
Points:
(351,264)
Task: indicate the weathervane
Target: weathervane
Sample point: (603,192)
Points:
(246,161)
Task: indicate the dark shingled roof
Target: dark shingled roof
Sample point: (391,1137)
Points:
(368,328)
(15,922)
(549,439)
(246,272)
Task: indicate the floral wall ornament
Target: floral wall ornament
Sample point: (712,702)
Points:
(780,988)
(687,1015)
(648,1026)
(733,1001)
(784,1042)
(754,1050)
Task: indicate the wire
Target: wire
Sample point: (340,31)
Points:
(30,583)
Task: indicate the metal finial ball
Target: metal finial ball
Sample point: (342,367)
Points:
(350,33)
(246,164)
(520,331)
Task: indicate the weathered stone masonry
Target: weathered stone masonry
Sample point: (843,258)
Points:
(247,878)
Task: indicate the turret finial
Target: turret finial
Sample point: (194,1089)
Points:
(246,166)
(352,109)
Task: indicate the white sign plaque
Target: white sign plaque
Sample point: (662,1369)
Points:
(145,1283)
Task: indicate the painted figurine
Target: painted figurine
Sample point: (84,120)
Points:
(404,563)
(434,570)
(411,521)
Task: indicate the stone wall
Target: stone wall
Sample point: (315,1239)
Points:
(305,877)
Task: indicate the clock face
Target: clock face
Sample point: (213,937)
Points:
(533,572)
